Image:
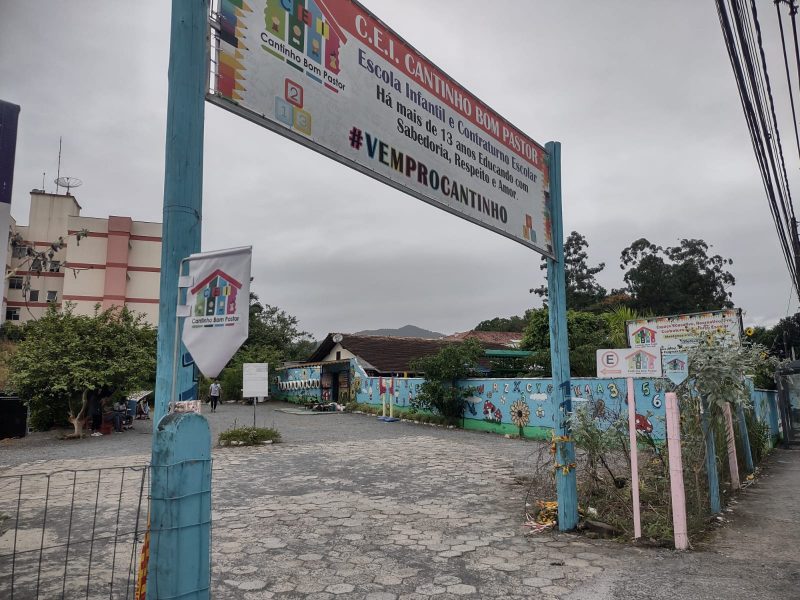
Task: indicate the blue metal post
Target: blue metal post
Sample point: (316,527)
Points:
(711,460)
(566,484)
(745,435)
(180,511)
(183,181)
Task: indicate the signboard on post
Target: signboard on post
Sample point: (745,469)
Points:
(677,332)
(330,75)
(676,366)
(629,362)
(255,380)
(217,307)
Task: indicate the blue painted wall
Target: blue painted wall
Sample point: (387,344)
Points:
(297,383)
(492,402)
(765,405)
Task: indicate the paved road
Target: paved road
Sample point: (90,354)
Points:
(349,507)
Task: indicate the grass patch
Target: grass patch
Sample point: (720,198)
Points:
(249,436)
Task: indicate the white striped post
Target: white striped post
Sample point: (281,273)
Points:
(731,439)
(637,517)
(676,472)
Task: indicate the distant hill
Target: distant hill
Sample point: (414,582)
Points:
(405,331)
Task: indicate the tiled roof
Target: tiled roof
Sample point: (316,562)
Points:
(510,339)
(385,354)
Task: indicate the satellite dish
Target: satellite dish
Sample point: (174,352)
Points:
(337,338)
(67,182)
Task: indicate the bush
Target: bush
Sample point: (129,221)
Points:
(248,436)
(440,392)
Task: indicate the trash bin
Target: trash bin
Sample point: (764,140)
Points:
(13,417)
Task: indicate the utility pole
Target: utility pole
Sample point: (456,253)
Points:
(566,483)
(180,490)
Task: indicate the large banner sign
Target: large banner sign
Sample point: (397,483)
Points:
(330,75)
(684,331)
(218,307)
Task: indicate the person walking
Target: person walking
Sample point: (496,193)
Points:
(214,393)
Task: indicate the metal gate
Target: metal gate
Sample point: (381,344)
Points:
(72,533)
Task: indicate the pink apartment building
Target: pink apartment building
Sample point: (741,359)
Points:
(118,264)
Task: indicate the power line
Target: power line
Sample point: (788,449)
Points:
(743,39)
(788,76)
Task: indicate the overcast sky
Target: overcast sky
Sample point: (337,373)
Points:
(639,92)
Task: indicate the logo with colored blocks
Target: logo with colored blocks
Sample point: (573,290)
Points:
(216,296)
(289,109)
(527,230)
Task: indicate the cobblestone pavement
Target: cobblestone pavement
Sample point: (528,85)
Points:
(361,509)
(407,518)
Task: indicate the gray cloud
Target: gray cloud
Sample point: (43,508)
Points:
(641,95)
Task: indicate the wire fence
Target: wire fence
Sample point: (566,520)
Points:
(72,533)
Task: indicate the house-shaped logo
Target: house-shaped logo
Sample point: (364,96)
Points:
(641,361)
(216,299)
(676,364)
(644,336)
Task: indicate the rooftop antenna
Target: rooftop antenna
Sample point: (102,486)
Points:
(43,174)
(58,173)
(67,182)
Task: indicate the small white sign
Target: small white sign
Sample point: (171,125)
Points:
(629,362)
(187,406)
(255,380)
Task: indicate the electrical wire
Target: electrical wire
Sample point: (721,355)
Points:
(788,76)
(743,39)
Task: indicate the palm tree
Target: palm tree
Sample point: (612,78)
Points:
(617,319)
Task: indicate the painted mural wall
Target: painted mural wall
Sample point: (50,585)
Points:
(504,405)
(296,385)
(765,406)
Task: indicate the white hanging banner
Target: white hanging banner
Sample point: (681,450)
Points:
(218,302)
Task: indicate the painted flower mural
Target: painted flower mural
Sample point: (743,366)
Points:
(520,413)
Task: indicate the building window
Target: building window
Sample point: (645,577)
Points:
(19,251)
(55,266)
(33,295)
(12,314)
(52,296)
(15,283)
(338,355)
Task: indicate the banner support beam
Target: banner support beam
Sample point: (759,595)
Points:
(179,563)
(566,483)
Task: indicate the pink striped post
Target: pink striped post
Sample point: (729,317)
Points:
(676,472)
(637,517)
(731,439)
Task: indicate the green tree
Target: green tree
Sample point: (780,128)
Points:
(443,370)
(783,338)
(67,359)
(271,327)
(583,291)
(678,279)
(586,333)
(273,337)
(514,323)
(761,335)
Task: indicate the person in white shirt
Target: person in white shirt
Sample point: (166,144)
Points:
(214,393)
